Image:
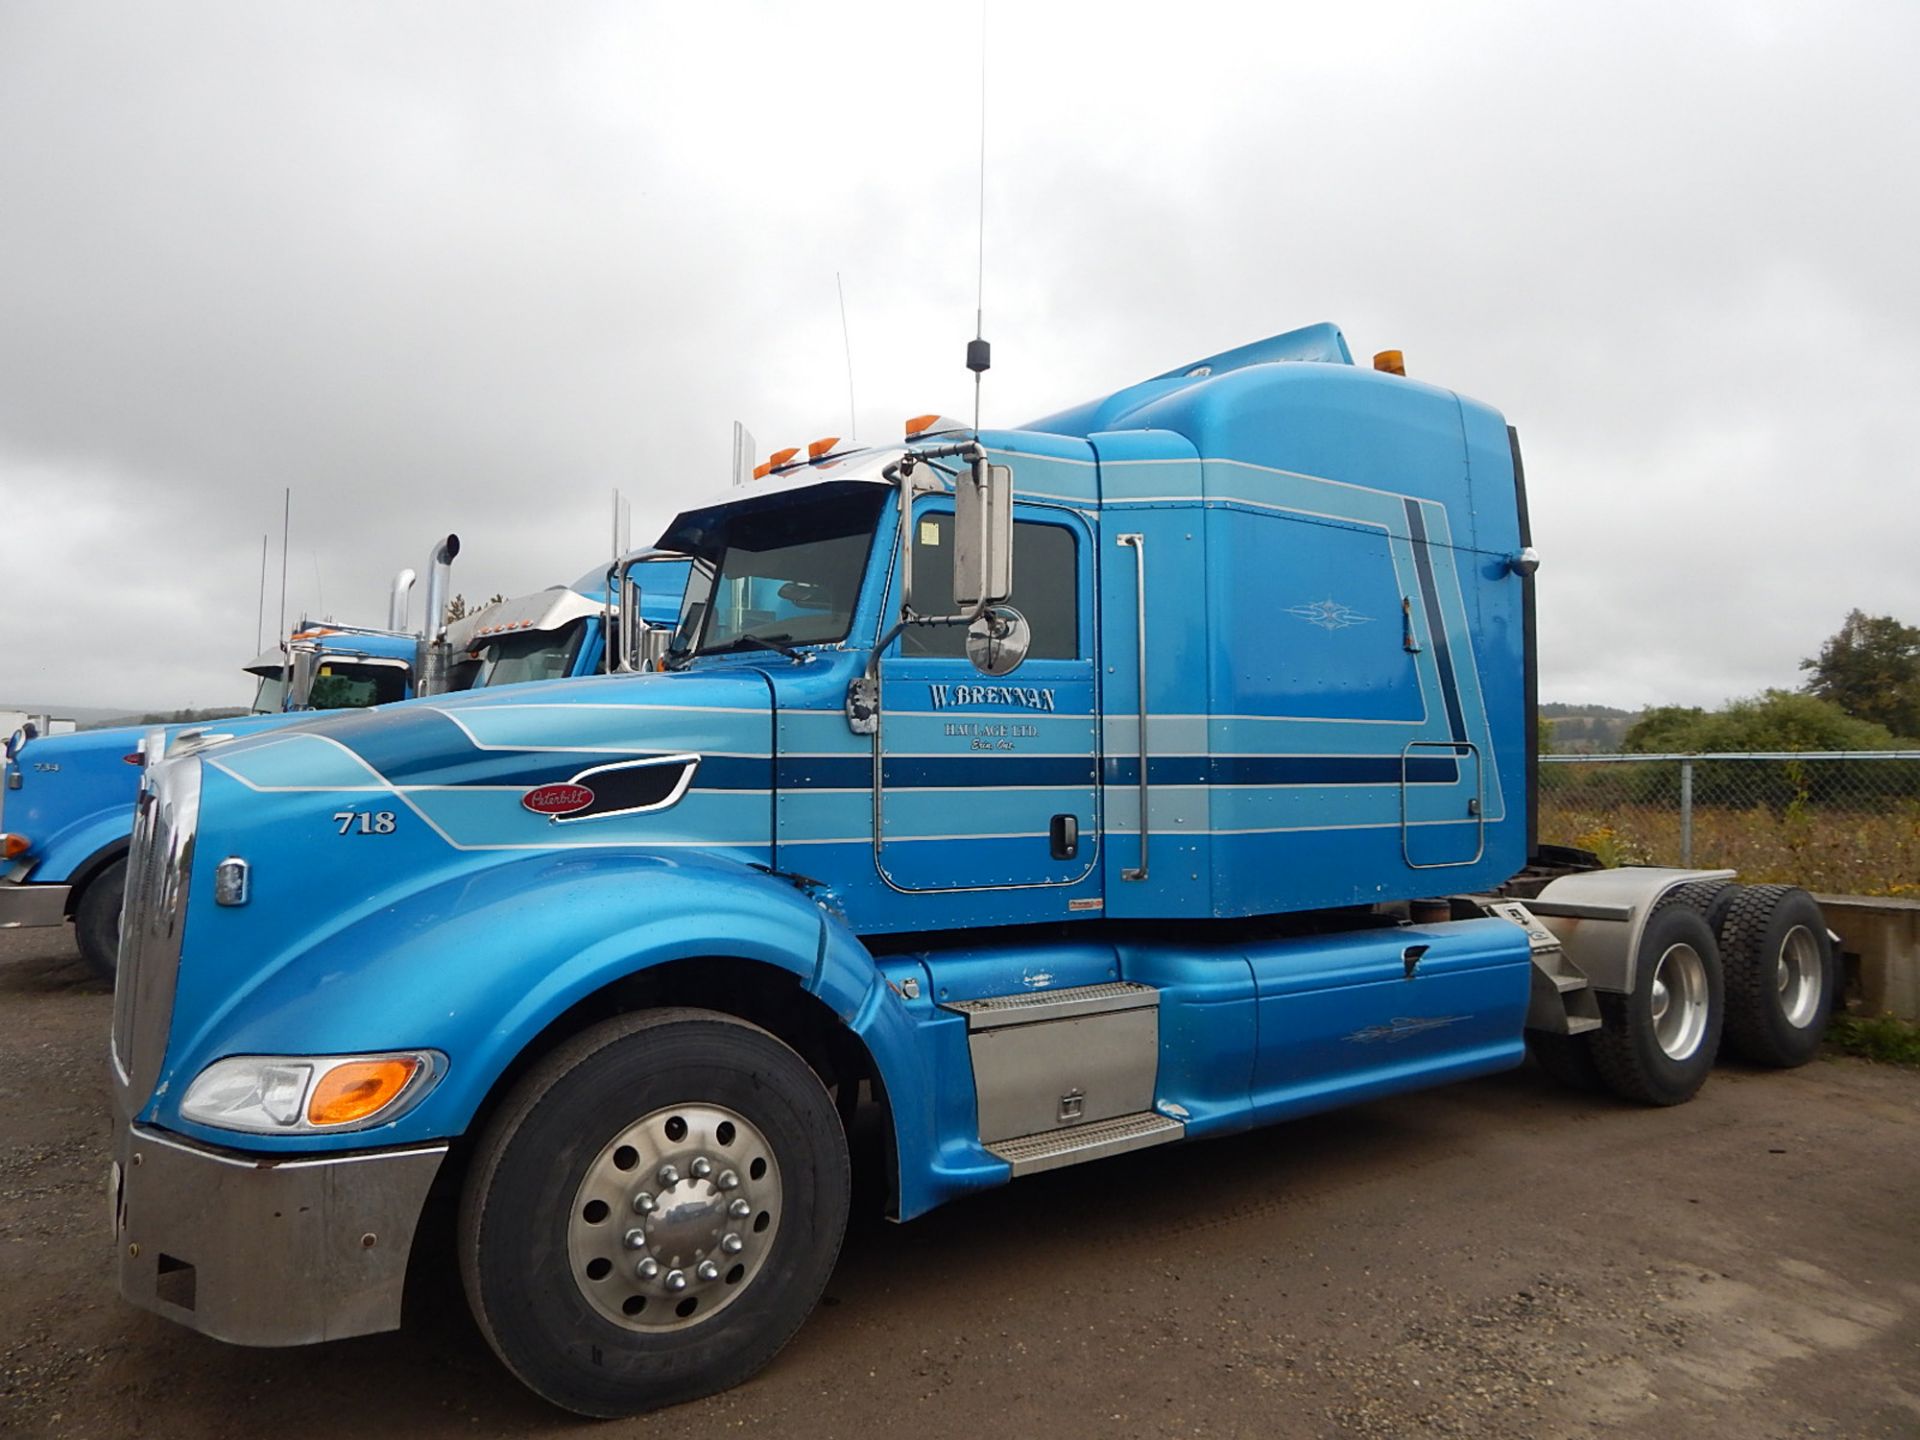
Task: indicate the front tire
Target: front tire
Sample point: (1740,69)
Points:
(654,1212)
(1780,975)
(96,919)
(1657,1044)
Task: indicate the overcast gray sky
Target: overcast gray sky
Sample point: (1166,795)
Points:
(469,266)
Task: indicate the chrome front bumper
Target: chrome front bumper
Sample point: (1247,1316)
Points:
(263,1252)
(27,905)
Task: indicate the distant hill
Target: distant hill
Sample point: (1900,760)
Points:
(168,717)
(85,716)
(1588,729)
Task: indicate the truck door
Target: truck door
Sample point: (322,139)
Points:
(990,781)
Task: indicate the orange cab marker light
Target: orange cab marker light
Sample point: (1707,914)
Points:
(359,1088)
(760,472)
(919,423)
(780,457)
(822,447)
(1390,361)
(13,845)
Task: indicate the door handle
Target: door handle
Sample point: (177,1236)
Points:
(1063,836)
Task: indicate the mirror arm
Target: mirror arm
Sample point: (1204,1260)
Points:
(900,473)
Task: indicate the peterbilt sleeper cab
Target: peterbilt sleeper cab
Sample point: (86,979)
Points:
(1137,776)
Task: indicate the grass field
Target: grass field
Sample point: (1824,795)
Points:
(1872,851)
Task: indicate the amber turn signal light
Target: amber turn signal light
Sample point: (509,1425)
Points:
(13,846)
(359,1088)
(1391,361)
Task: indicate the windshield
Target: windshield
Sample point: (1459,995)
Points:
(535,655)
(271,697)
(786,572)
(354,685)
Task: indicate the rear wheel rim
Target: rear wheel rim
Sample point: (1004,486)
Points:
(1679,1002)
(1798,977)
(674,1218)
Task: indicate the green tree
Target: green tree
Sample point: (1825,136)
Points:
(1870,668)
(1777,720)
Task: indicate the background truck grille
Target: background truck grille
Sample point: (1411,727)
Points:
(152,921)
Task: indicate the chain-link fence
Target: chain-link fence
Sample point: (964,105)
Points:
(1840,823)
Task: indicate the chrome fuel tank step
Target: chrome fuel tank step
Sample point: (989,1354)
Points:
(1030,1154)
(1051,1061)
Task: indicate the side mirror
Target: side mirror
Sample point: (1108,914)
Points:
(631,636)
(983,535)
(654,641)
(999,640)
(306,664)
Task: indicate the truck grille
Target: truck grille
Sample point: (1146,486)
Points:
(152,921)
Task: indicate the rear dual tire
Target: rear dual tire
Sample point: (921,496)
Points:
(1656,1044)
(1782,975)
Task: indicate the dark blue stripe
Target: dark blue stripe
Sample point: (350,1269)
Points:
(975,770)
(826,772)
(1436,625)
(1281,770)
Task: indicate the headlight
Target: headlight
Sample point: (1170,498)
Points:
(279,1094)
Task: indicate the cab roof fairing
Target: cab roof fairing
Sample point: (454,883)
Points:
(1321,344)
(543,610)
(594,583)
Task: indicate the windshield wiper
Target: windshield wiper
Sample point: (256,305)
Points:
(762,642)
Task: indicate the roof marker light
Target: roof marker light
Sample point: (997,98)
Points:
(781,457)
(822,447)
(761,471)
(1391,362)
(921,423)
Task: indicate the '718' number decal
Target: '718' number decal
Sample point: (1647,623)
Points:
(365,822)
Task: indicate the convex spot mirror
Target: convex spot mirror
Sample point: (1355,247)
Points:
(999,640)
(983,536)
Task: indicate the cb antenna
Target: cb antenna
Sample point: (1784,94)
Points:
(979,353)
(846,339)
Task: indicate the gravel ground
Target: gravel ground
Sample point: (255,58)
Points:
(1494,1259)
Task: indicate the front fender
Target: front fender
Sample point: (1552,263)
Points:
(477,964)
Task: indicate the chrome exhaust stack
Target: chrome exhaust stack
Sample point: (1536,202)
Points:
(400,603)
(430,674)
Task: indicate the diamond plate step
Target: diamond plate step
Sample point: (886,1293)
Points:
(1030,1154)
(1032,1005)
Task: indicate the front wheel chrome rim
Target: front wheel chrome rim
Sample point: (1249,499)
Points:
(1798,978)
(1679,1002)
(674,1217)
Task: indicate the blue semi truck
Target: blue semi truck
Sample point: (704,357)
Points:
(1155,770)
(564,631)
(66,801)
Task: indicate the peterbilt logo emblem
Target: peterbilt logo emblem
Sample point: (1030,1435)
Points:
(557,799)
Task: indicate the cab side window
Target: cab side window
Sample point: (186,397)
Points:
(1046,589)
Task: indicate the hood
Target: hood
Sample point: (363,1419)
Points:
(465,764)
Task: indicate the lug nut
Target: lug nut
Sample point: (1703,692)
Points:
(635,1240)
(728,1180)
(676,1280)
(643,1204)
(647,1268)
(739,1209)
(707,1270)
(669,1175)
(701,1168)
(732,1244)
